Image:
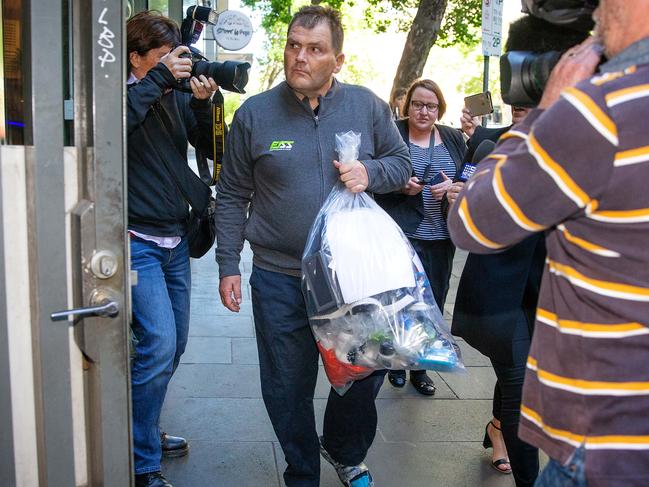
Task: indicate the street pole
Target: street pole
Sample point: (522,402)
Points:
(485,85)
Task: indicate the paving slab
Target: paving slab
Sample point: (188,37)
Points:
(214,463)
(471,357)
(423,464)
(476,383)
(433,464)
(437,420)
(233,325)
(217,419)
(215,380)
(207,350)
(244,351)
(210,305)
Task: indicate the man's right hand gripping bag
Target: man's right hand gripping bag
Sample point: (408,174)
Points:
(369,302)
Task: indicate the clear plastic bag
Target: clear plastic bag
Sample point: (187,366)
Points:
(369,302)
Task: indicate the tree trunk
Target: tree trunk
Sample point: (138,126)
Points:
(422,36)
(270,74)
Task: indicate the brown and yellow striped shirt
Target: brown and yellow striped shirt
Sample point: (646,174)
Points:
(580,172)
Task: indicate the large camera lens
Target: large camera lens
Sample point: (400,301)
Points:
(229,75)
(523,76)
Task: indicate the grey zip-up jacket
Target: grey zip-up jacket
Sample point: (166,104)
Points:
(277,170)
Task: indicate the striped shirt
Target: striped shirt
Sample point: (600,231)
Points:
(580,172)
(433,225)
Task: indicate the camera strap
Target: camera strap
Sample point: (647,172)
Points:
(218,141)
(218,134)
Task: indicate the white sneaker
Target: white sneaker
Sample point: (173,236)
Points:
(351,476)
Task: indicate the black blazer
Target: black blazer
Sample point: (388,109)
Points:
(408,211)
(493,289)
(481,133)
(492,292)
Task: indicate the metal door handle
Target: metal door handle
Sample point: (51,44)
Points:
(107,309)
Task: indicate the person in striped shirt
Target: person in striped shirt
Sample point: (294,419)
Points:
(576,169)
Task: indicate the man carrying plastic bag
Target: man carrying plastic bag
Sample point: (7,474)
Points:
(369,301)
(277,171)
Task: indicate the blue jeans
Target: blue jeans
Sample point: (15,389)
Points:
(572,474)
(288,365)
(160,327)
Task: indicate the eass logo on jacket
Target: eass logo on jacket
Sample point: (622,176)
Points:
(281,145)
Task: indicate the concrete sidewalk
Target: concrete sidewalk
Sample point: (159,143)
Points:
(215,401)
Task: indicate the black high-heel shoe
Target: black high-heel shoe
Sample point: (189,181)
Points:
(487,443)
(397,378)
(422,383)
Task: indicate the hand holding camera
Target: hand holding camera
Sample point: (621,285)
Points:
(577,64)
(180,67)
(202,87)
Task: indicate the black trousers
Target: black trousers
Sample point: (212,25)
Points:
(288,366)
(437,258)
(508,393)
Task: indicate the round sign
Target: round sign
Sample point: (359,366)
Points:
(233,30)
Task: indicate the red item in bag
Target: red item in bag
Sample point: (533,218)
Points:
(339,373)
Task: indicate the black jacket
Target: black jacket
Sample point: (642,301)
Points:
(494,289)
(479,134)
(492,292)
(408,211)
(155,204)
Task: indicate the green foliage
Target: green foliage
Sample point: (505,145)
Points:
(462,23)
(471,82)
(356,71)
(460,27)
(383,15)
(230,105)
(273,11)
(281,11)
(161,6)
(271,62)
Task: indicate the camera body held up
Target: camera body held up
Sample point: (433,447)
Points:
(229,75)
(524,73)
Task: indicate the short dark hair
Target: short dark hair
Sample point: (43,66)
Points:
(429,85)
(537,35)
(311,15)
(150,30)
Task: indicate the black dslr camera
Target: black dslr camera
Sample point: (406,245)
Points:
(229,75)
(523,74)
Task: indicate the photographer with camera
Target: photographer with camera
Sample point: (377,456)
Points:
(160,123)
(586,150)
(501,325)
